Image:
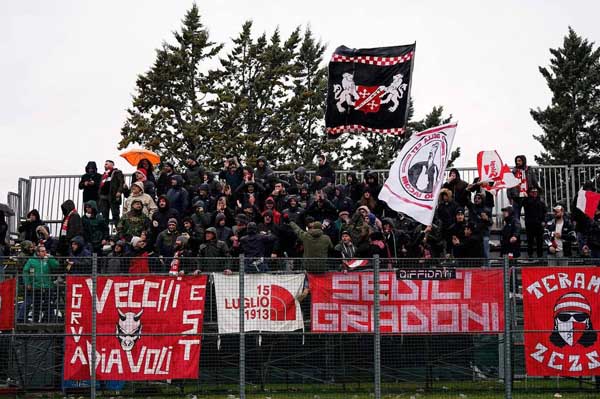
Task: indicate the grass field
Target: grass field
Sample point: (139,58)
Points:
(347,395)
(532,389)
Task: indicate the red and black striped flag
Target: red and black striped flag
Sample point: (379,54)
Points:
(369,90)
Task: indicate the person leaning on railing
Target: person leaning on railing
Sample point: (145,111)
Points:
(37,277)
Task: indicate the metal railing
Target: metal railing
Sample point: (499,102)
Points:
(46,193)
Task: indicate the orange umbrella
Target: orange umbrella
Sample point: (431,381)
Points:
(134,156)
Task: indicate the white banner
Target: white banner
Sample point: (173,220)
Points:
(492,170)
(417,174)
(270,302)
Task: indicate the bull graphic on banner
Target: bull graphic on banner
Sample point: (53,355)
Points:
(369,90)
(147,328)
(560,313)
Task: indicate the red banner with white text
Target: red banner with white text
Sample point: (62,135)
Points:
(471,302)
(7,304)
(561,310)
(147,328)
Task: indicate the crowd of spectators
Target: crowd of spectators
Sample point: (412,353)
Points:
(169,220)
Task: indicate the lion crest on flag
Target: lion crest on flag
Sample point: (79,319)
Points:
(345,92)
(368,99)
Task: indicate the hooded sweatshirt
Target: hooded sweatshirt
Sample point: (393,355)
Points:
(82,263)
(262,174)
(161,217)
(327,175)
(95,227)
(133,223)
(92,177)
(28,228)
(527,177)
(178,196)
(71,223)
(149,207)
(459,189)
(316,243)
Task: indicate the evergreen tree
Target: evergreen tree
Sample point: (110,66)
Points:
(253,90)
(267,96)
(171,113)
(305,110)
(571,123)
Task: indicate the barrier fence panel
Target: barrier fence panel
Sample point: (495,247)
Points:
(302,328)
(559,184)
(13,201)
(555,328)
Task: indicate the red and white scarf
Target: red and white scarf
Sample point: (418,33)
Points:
(106,177)
(521,174)
(65,225)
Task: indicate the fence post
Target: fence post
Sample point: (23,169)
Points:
(569,185)
(507,332)
(377,338)
(574,187)
(93,361)
(242,332)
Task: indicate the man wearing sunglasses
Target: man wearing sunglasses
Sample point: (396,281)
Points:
(572,323)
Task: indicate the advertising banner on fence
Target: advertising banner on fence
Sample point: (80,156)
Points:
(470,302)
(147,328)
(561,311)
(7,304)
(270,302)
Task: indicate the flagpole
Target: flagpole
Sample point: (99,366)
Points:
(412,65)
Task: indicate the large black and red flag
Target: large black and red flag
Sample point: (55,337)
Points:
(369,90)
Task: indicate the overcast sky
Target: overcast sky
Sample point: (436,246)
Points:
(69,67)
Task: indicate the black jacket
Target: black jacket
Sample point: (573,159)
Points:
(327,175)
(257,245)
(27,228)
(535,211)
(471,247)
(513,193)
(90,191)
(74,225)
(116,185)
(567,233)
(511,228)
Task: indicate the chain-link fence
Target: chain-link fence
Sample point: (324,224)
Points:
(304,328)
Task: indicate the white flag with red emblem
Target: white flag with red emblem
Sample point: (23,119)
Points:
(493,173)
(270,302)
(416,176)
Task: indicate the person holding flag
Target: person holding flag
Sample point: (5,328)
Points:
(426,151)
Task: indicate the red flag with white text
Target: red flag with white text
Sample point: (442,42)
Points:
(7,304)
(561,315)
(471,302)
(148,328)
(494,172)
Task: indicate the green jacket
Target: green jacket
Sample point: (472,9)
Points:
(316,243)
(133,223)
(95,229)
(36,272)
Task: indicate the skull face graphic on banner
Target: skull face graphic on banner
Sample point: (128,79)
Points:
(369,90)
(560,312)
(572,321)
